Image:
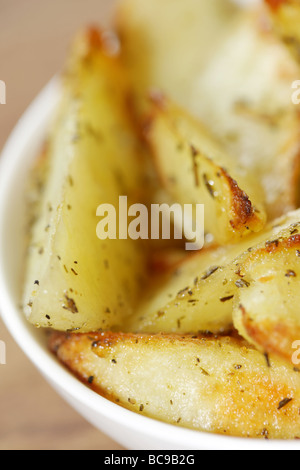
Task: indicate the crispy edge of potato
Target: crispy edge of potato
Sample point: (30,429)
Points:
(241,215)
(229,386)
(270,334)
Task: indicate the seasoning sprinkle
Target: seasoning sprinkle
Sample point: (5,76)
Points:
(210,272)
(209,185)
(284,402)
(291,273)
(132,401)
(242,283)
(226,299)
(183,291)
(272,243)
(267,360)
(71,305)
(195,154)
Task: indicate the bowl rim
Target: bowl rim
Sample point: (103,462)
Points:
(32,123)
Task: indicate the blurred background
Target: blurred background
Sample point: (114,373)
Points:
(34,40)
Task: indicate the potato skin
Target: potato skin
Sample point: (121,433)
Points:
(190,164)
(207,383)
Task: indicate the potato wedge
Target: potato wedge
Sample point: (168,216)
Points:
(166,43)
(156,312)
(267,312)
(212,384)
(286,15)
(73,279)
(195,170)
(237,82)
(200,295)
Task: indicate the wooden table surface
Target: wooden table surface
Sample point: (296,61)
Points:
(34,39)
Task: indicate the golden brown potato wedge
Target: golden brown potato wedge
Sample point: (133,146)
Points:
(237,82)
(286,15)
(206,383)
(267,312)
(73,279)
(200,294)
(194,169)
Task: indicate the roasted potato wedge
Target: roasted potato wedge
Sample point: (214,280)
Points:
(194,169)
(169,304)
(286,15)
(166,43)
(237,82)
(73,279)
(200,294)
(267,312)
(205,383)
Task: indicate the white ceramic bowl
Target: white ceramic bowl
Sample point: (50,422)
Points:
(129,429)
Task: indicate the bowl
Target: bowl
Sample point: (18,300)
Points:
(132,431)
